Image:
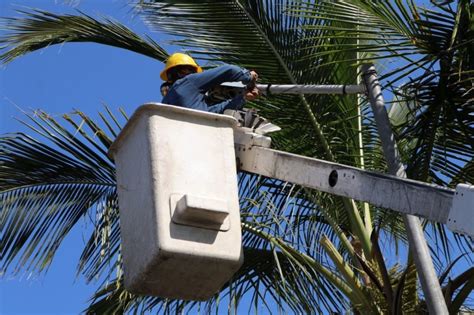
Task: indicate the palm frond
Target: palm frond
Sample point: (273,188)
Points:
(38,29)
(437,69)
(47,188)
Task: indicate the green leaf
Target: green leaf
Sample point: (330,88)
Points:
(38,29)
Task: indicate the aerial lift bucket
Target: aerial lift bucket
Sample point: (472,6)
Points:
(178,201)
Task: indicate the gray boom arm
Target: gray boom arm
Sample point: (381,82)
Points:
(432,202)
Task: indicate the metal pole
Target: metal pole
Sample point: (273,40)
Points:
(428,278)
(310,89)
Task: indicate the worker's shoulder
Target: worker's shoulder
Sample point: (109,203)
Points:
(224,68)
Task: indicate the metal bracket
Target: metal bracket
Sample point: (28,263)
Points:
(461,215)
(244,141)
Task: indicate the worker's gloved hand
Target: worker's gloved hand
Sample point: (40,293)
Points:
(250,95)
(254,76)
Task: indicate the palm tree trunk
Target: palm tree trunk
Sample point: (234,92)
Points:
(428,278)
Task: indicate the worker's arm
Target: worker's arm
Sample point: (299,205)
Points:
(234,103)
(227,73)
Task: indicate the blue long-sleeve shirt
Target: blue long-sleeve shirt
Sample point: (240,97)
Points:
(190,91)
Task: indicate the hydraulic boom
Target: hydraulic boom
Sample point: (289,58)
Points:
(435,203)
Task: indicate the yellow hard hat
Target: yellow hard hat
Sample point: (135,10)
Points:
(178,59)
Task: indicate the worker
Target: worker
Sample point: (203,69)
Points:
(190,84)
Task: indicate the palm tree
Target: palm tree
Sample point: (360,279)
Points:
(305,251)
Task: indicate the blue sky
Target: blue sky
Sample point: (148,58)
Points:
(57,80)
